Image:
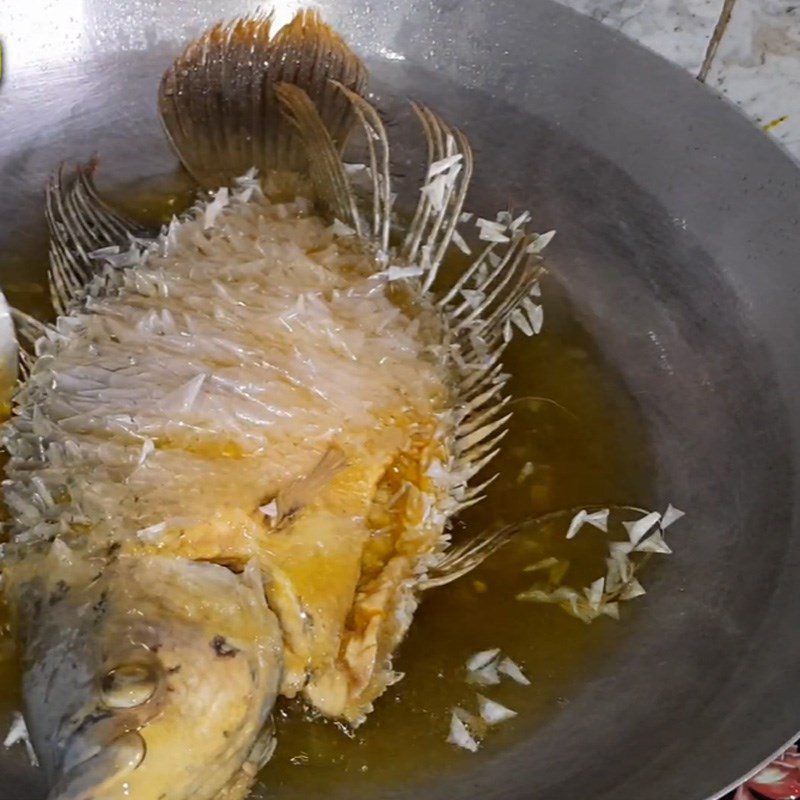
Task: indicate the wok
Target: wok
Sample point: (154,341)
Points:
(679,243)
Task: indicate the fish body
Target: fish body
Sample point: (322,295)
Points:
(235,454)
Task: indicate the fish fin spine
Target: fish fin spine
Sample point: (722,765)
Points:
(461,559)
(325,166)
(441,199)
(79,223)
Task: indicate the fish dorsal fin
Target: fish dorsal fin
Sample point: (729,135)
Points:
(325,166)
(80,223)
(219,105)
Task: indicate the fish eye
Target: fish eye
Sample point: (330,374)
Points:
(128,685)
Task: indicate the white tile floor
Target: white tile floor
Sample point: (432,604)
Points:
(757,63)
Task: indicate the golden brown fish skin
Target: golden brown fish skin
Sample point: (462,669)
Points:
(117,662)
(110,582)
(233,464)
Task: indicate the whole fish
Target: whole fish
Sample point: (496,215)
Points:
(234,455)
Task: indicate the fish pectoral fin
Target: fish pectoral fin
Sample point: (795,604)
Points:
(80,223)
(219,105)
(458,561)
(305,490)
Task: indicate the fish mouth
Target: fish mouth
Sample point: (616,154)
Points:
(96,777)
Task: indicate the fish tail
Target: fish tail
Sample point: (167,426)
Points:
(242,96)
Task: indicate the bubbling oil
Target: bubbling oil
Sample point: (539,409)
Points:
(576,439)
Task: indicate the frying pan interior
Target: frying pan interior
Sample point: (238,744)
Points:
(677,248)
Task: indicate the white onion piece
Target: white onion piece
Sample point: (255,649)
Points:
(540,242)
(339,228)
(594,594)
(671,515)
(482,659)
(576,524)
(443,164)
(653,544)
(632,589)
(270,510)
(514,671)
(638,529)
(485,676)
(19,733)
(599,520)
(460,736)
(492,712)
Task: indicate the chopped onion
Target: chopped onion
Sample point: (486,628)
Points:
(475,725)
(594,593)
(544,564)
(527,470)
(671,515)
(637,530)
(491,231)
(540,242)
(620,571)
(401,273)
(602,596)
(339,228)
(458,241)
(485,676)
(460,736)
(214,208)
(492,712)
(535,314)
(620,548)
(632,589)
(519,319)
(653,544)
(522,219)
(473,297)
(537,596)
(576,524)
(435,191)
(514,671)
(482,659)
(443,164)
(598,519)
(610,610)
(270,510)
(19,733)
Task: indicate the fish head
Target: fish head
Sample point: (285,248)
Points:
(154,680)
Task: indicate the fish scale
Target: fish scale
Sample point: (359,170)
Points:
(308,369)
